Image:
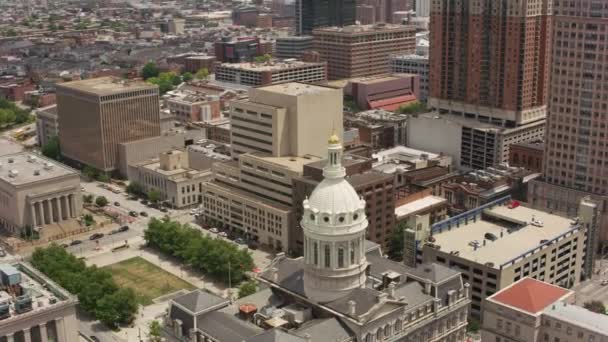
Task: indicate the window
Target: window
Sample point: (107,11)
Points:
(327,256)
(340,257)
(352,253)
(315,252)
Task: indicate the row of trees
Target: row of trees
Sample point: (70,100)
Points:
(97,291)
(136,189)
(219,258)
(100,201)
(11,114)
(166,81)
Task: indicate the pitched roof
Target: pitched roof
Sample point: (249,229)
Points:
(225,327)
(276,335)
(198,300)
(530,295)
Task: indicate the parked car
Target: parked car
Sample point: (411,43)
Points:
(117,204)
(144,214)
(239,241)
(604,282)
(144,201)
(252,245)
(75,242)
(64,245)
(123,229)
(163,209)
(94,338)
(214,230)
(96,236)
(223,234)
(193,211)
(2,253)
(133,213)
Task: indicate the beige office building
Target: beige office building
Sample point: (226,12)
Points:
(288,119)
(35,191)
(95,115)
(534,311)
(171,175)
(254,196)
(35,309)
(501,242)
(47,124)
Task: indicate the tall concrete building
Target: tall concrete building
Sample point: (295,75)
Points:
(423,8)
(283,119)
(490,59)
(362,50)
(576,154)
(95,115)
(311,14)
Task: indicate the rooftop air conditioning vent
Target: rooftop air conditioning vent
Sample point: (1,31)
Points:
(13,173)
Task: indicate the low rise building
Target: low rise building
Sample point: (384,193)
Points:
(14,89)
(531,310)
(470,190)
(237,50)
(420,208)
(34,308)
(499,243)
(192,107)
(472,144)
(36,191)
(416,65)
(47,125)
(528,155)
(193,64)
(378,128)
(179,185)
(261,74)
(401,160)
(386,92)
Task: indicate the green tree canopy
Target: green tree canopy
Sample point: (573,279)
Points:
(165,81)
(187,76)
(219,258)
(51,148)
(87,198)
(248,288)
(135,188)
(202,74)
(101,201)
(97,292)
(263,58)
(154,196)
(595,306)
(149,70)
(413,108)
(155,331)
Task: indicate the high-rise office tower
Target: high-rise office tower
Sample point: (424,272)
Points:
(576,146)
(311,14)
(97,114)
(490,59)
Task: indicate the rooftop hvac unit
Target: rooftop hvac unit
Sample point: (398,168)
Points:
(13,173)
(48,166)
(23,304)
(5,310)
(31,159)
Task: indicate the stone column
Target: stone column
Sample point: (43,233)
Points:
(33,211)
(10,337)
(27,336)
(59,209)
(73,205)
(44,335)
(46,208)
(60,328)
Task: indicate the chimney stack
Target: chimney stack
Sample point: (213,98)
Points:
(352,308)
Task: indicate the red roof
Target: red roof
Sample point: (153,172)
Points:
(530,295)
(393,103)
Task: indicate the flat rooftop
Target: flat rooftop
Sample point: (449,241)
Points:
(34,288)
(519,235)
(24,167)
(106,85)
(579,316)
(296,89)
(418,205)
(274,66)
(353,29)
(291,163)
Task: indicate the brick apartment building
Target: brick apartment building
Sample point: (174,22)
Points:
(362,50)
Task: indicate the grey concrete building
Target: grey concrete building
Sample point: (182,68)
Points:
(50,315)
(35,191)
(413,64)
(292,46)
(95,115)
(47,124)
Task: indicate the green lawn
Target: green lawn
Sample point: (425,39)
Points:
(148,280)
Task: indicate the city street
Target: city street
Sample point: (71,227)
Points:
(593,289)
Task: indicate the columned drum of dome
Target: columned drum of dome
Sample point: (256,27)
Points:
(334,226)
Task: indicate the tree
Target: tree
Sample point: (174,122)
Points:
(187,76)
(595,306)
(149,70)
(154,196)
(473,325)
(51,149)
(88,220)
(135,188)
(87,198)
(413,108)
(202,74)
(90,172)
(155,331)
(396,243)
(248,288)
(103,177)
(101,201)
(263,59)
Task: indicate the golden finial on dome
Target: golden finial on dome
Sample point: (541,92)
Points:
(333,140)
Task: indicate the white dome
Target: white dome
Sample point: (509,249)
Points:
(334,196)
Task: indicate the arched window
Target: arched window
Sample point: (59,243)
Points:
(398,325)
(379,334)
(315,252)
(369,338)
(327,257)
(387,330)
(352,253)
(340,257)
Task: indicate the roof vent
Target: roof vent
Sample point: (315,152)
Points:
(48,166)
(11,160)
(13,173)
(36,172)
(31,159)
